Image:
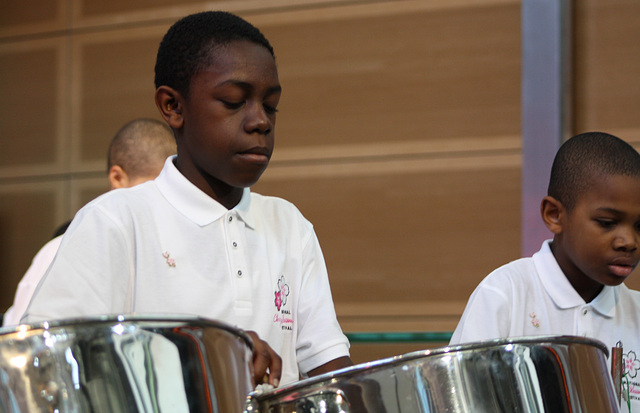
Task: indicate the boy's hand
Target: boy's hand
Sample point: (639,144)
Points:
(264,357)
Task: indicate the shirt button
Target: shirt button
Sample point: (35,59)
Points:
(239,273)
(585,311)
(230,219)
(235,244)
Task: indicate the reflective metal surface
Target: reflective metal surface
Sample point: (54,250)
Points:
(541,374)
(124,364)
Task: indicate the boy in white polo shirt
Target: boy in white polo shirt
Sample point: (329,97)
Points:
(196,240)
(574,284)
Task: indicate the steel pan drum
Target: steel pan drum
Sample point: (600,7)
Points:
(541,374)
(124,364)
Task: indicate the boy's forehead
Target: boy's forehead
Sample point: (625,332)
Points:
(247,66)
(237,50)
(610,189)
(241,59)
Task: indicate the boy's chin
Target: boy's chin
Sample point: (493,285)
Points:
(614,281)
(248,182)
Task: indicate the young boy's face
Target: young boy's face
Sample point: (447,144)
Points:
(229,118)
(600,238)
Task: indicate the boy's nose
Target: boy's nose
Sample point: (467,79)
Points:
(257,120)
(627,240)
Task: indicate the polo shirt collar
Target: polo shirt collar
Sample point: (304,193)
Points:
(194,204)
(562,292)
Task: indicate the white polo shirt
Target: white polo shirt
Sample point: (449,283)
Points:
(532,297)
(166,247)
(30,280)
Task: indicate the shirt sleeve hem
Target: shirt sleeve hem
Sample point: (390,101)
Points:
(334,351)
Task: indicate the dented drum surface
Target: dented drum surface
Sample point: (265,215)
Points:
(124,364)
(541,374)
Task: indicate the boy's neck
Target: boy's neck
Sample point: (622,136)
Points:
(226,195)
(588,294)
(587,290)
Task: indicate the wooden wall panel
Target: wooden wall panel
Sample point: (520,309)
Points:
(32,115)
(438,233)
(114,85)
(36,16)
(365,352)
(28,217)
(416,75)
(89,8)
(40,12)
(32,142)
(92,13)
(607,67)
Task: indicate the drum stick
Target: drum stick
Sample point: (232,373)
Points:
(616,369)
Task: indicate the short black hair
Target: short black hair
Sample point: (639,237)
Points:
(586,157)
(185,48)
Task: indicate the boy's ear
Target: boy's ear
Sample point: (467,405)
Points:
(118,178)
(169,102)
(553,213)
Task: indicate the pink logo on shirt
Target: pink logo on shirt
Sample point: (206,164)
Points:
(631,364)
(283,316)
(170,261)
(282,293)
(631,367)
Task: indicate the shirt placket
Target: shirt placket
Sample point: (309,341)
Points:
(238,263)
(585,321)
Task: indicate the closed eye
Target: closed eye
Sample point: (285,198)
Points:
(232,105)
(270,109)
(606,223)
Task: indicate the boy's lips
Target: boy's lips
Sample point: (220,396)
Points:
(622,267)
(620,270)
(257,154)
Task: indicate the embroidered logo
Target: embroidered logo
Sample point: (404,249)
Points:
(282,293)
(283,316)
(170,261)
(534,320)
(630,389)
(631,364)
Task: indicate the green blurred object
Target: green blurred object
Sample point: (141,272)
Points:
(401,337)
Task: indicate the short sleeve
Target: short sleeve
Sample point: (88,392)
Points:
(486,316)
(320,338)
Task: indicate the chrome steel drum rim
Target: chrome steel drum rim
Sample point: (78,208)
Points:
(438,351)
(193,321)
(520,374)
(126,363)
